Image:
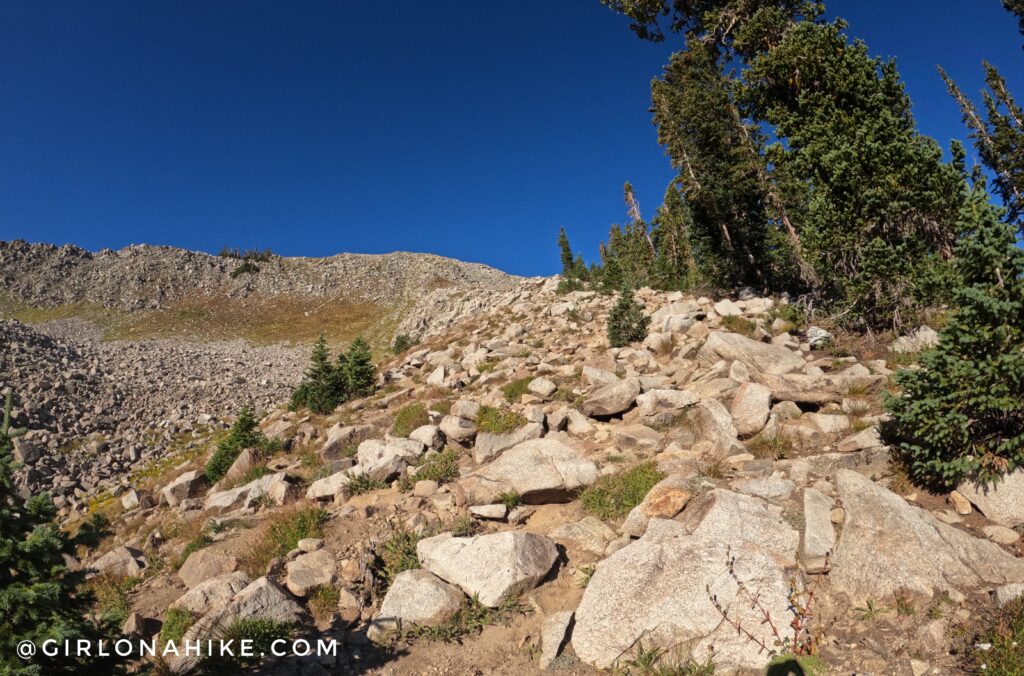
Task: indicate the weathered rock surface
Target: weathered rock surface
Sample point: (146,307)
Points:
(611,399)
(539,470)
(415,597)
(493,566)
(771,359)
(1003,502)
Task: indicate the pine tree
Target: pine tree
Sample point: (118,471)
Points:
(565,254)
(961,415)
(40,599)
(627,322)
(675,267)
(999,138)
(244,433)
(359,369)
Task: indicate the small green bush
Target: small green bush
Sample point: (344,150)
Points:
(176,622)
(261,632)
(402,343)
(960,416)
(408,418)
(246,268)
(627,322)
(396,554)
(511,499)
(739,325)
(516,389)
(442,468)
(244,434)
(498,420)
(254,473)
(613,496)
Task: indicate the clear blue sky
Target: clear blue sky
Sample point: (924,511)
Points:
(467,129)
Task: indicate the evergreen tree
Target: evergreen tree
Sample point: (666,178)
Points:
(1017,8)
(359,369)
(244,433)
(675,267)
(40,599)
(961,415)
(999,137)
(627,322)
(565,254)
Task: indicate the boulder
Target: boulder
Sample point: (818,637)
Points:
(771,359)
(542,387)
(819,535)
(589,535)
(1002,502)
(415,597)
(245,461)
(554,634)
(331,487)
(120,562)
(459,430)
(465,408)
(385,460)
(611,399)
(596,377)
(539,470)
(488,446)
(888,546)
(340,437)
(307,572)
(185,486)
(665,500)
(213,594)
(429,435)
(711,422)
(924,338)
(656,401)
(205,564)
(729,517)
(750,408)
(727,308)
(273,488)
(662,591)
(493,567)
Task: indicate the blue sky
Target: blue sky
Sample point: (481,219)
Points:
(467,129)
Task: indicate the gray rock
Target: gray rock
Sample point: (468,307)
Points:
(309,571)
(205,564)
(214,594)
(750,408)
(331,487)
(611,399)
(542,387)
(819,534)
(924,338)
(1002,502)
(659,400)
(771,359)
(429,435)
(658,591)
(494,566)
(459,430)
(185,486)
(887,545)
(554,634)
(589,535)
(488,446)
(415,597)
(539,470)
(270,489)
(121,562)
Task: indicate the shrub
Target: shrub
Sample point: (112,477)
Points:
(323,602)
(739,325)
(282,535)
(261,633)
(111,593)
(364,483)
(511,499)
(176,622)
(961,415)
(402,343)
(1004,632)
(408,418)
(613,496)
(396,554)
(627,322)
(516,389)
(246,268)
(244,434)
(498,421)
(442,468)
(254,473)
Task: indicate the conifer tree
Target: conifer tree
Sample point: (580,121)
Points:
(627,322)
(675,267)
(40,599)
(961,415)
(359,369)
(565,254)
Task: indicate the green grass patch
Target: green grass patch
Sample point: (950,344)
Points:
(516,389)
(261,635)
(773,448)
(112,603)
(323,602)
(470,619)
(1004,630)
(613,496)
(364,483)
(740,325)
(396,554)
(281,535)
(498,420)
(511,499)
(408,418)
(176,622)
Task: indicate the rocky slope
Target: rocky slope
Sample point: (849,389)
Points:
(142,276)
(712,496)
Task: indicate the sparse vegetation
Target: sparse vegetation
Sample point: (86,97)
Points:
(363,483)
(740,325)
(396,554)
(777,447)
(244,434)
(511,499)
(408,418)
(498,420)
(402,343)
(323,602)
(516,389)
(260,633)
(246,268)
(1003,633)
(175,623)
(613,496)
(470,619)
(281,535)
